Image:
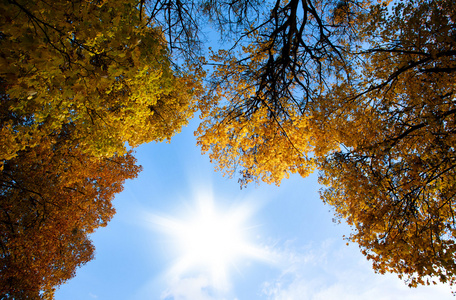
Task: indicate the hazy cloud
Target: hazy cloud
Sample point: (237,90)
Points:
(324,272)
(194,288)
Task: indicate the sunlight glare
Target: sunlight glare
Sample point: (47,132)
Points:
(211,241)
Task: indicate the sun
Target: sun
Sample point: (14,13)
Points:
(211,240)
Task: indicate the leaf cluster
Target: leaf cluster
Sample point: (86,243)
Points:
(52,197)
(92,64)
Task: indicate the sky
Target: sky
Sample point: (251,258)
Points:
(183,231)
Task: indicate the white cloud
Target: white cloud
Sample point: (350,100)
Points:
(193,288)
(329,271)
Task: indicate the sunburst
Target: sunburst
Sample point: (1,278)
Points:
(211,241)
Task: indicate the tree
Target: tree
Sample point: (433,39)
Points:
(52,196)
(94,64)
(256,115)
(365,92)
(80,83)
(394,177)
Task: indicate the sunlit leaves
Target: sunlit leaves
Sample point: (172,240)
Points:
(393,178)
(95,65)
(365,92)
(241,129)
(80,83)
(52,196)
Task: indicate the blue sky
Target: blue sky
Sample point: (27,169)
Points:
(303,254)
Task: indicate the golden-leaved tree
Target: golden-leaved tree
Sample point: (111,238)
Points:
(52,197)
(256,116)
(394,176)
(96,64)
(363,91)
(80,82)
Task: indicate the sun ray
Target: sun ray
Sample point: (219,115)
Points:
(210,240)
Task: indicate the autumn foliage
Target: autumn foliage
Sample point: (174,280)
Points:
(364,92)
(80,83)
(393,177)
(94,64)
(53,196)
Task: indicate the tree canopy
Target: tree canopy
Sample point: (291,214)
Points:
(260,98)
(81,82)
(363,91)
(52,197)
(393,177)
(95,64)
